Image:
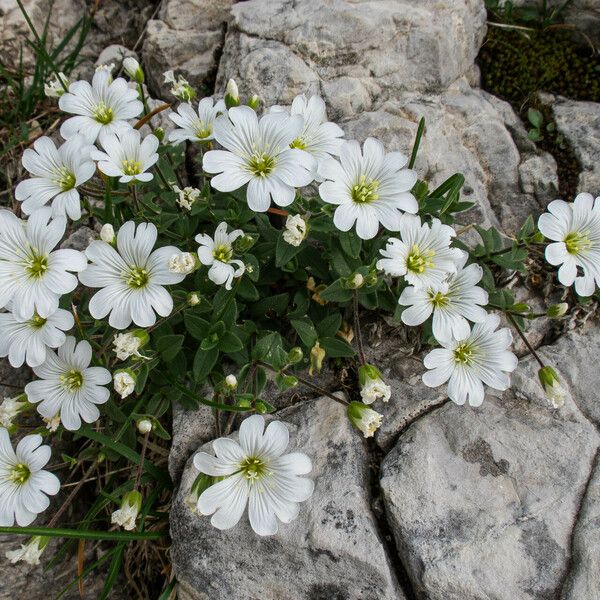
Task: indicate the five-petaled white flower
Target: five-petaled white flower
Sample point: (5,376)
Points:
(32,274)
(258,153)
(126,156)
(100,108)
(258,473)
(480,357)
(195,126)
(422,254)
(69,386)
(25,486)
(575,231)
(131,277)
(368,187)
(26,340)
(318,137)
(453,303)
(217,253)
(56,174)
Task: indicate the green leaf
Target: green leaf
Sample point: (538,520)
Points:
(417,143)
(330,325)
(336,347)
(196,399)
(230,342)
(204,361)
(336,293)
(169,345)
(535,117)
(85,534)
(284,252)
(527,228)
(196,326)
(351,244)
(306,330)
(113,571)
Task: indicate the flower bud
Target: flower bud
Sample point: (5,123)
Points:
(353,282)
(107,233)
(317,354)
(244,402)
(180,87)
(53,87)
(144,426)
(288,381)
(159,132)
(193,298)
(372,386)
(29,552)
(295,355)
(263,407)
(231,382)
(201,483)
(232,95)
(371,278)
(538,237)
(363,418)
(124,382)
(556,311)
(552,388)
(254,102)
(130,507)
(133,69)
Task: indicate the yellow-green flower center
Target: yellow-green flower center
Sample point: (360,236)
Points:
(365,190)
(103,114)
(223,253)
(19,473)
(577,241)
(131,167)
(202,129)
(137,277)
(298,143)
(260,165)
(464,354)
(37,322)
(71,380)
(438,299)
(66,179)
(36,265)
(253,468)
(417,261)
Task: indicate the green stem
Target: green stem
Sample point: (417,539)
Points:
(525,340)
(359,340)
(108,210)
(119,536)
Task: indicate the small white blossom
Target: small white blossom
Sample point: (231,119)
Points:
(107,233)
(55,176)
(52,423)
(422,254)
(575,231)
(126,156)
(128,344)
(53,87)
(187,196)
(365,419)
(124,383)
(257,473)
(29,552)
(369,188)
(217,253)
(257,153)
(9,409)
(295,230)
(131,276)
(126,516)
(184,262)
(69,386)
(195,126)
(231,381)
(180,87)
(100,108)
(193,299)
(25,485)
(144,426)
(133,69)
(481,357)
(33,276)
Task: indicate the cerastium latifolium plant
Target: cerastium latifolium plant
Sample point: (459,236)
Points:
(198,295)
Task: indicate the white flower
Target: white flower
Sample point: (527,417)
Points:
(131,277)
(217,253)
(69,386)
(187,196)
(107,233)
(101,108)
(258,473)
(575,230)
(180,88)
(195,126)
(53,88)
(365,419)
(124,383)
(133,69)
(193,299)
(372,386)
(452,302)
(184,262)
(24,482)
(126,156)
(130,507)
(368,187)
(231,381)
(33,275)
(9,409)
(56,175)
(258,153)
(468,363)
(129,344)
(107,68)
(422,254)
(26,340)
(29,552)
(295,230)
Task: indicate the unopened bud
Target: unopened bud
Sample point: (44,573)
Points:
(295,355)
(124,382)
(193,299)
(317,354)
(244,243)
(231,382)
(254,102)
(107,233)
(144,426)
(556,311)
(232,95)
(133,69)
(159,132)
(552,388)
